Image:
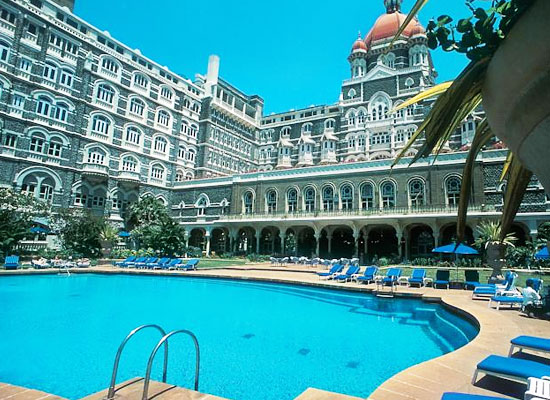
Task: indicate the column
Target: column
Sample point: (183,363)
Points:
(435,234)
(399,235)
(329,238)
(207,238)
(317,243)
(356,237)
(283,243)
(257,243)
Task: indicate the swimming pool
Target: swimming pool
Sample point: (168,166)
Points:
(258,340)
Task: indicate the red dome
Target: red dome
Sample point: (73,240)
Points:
(358,45)
(387,25)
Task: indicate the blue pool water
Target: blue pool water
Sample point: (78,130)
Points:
(258,341)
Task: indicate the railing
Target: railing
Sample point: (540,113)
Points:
(359,212)
(32,245)
(129,175)
(96,169)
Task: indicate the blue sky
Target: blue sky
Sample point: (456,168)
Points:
(292,53)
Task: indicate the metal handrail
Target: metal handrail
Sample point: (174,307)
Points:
(152,357)
(111,393)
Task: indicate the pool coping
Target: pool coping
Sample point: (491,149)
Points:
(419,381)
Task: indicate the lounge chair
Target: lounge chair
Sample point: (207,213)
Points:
(418,277)
(466,396)
(490,290)
(169,265)
(509,300)
(529,343)
(158,264)
(335,270)
(442,278)
(514,369)
(11,262)
(189,265)
(392,277)
(471,279)
(348,275)
(132,264)
(368,276)
(125,262)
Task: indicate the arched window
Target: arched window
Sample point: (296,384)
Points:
(351,118)
(133,135)
(271,201)
(346,197)
(193,130)
(309,199)
(38,141)
(201,205)
(157,172)
(292,200)
(29,185)
(452,187)
(416,193)
(105,93)
(387,193)
(190,155)
(44,106)
(367,196)
(328,198)
(54,147)
(137,107)
(248,202)
(96,156)
(307,128)
(141,81)
(285,132)
(361,116)
(129,164)
(180,177)
(163,118)
(101,124)
(161,144)
(110,65)
(329,124)
(45,189)
(50,71)
(166,93)
(61,112)
(4,50)
(189,176)
(66,78)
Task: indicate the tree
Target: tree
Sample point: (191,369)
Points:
(147,210)
(495,244)
(80,232)
(17,212)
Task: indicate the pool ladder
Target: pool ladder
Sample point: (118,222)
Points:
(162,342)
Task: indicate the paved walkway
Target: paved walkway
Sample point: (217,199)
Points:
(427,380)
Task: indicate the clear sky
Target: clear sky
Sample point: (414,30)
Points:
(293,53)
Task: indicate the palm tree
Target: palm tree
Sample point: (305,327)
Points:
(495,244)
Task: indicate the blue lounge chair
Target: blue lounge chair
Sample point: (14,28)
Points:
(132,264)
(125,262)
(348,275)
(11,262)
(144,263)
(171,265)
(418,277)
(509,300)
(391,277)
(191,264)
(442,278)
(471,279)
(529,343)
(490,290)
(158,263)
(514,369)
(335,270)
(368,276)
(466,396)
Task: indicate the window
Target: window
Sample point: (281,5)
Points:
(110,65)
(25,64)
(416,192)
(181,152)
(452,186)
(167,93)
(4,51)
(346,197)
(18,101)
(163,118)
(46,192)
(193,130)
(292,200)
(329,124)
(133,135)
(60,112)
(180,177)
(141,81)
(129,164)
(161,144)
(137,106)
(380,138)
(190,155)
(10,140)
(96,156)
(54,148)
(32,28)
(248,201)
(307,128)
(57,41)
(66,78)
(309,200)
(387,192)
(7,16)
(50,71)
(271,201)
(201,206)
(29,187)
(44,106)
(285,131)
(367,196)
(105,93)
(37,144)
(71,48)
(328,198)
(100,124)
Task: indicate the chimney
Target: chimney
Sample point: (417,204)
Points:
(212,73)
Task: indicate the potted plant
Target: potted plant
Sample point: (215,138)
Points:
(495,245)
(108,237)
(491,38)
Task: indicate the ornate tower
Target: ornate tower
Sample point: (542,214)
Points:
(358,58)
(392,6)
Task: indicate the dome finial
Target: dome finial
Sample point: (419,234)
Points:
(359,35)
(392,6)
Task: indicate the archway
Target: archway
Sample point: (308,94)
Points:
(196,238)
(246,241)
(343,243)
(421,241)
(218,241)
(270,242)
(519,233)
(306,243)
(381,242)
(448,235)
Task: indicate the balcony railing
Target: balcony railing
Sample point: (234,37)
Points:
(400,211)
(95,169)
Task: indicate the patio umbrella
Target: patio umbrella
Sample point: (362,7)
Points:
(38,229)
(543,253)
(454,249)
(124,234)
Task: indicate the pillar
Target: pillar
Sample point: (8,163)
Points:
(435,233)
(399,234)
(207,238)
(317,243)
(283,243)
(257,243)
(356,237)
(329,239)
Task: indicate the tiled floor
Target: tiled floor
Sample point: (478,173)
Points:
(428,380)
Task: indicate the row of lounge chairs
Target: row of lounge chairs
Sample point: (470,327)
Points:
(12,263)
(158,263)
(312,261)
(370,274)
(535,374)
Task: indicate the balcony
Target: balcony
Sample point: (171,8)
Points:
(95,169)
(396,212)
(129,176)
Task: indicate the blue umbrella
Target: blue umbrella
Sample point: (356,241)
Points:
(543,253)
(124,234)
(38,229)
(453,249)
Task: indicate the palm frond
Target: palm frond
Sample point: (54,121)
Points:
(506,165)
(482,136)
(431,92)
(518,179)
(413,13)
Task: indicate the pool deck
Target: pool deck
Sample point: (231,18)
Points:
(424,381)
